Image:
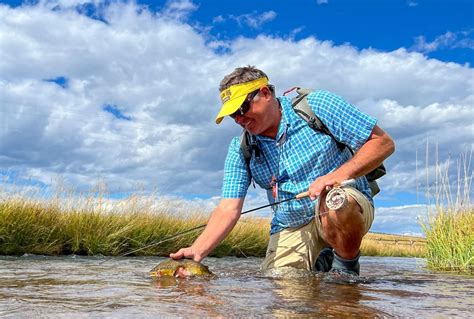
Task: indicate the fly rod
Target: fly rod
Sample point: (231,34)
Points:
(299,196)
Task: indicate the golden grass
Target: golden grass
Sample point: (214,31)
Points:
(393,245)
(94,226)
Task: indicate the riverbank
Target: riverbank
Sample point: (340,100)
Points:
(58,227)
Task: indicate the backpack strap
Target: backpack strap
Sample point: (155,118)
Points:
(248,145)
(301,107)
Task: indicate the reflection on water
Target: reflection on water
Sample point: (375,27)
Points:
(33,286)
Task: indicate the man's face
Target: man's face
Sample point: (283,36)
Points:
(258,119)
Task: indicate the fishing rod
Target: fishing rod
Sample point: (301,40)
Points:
(299,196)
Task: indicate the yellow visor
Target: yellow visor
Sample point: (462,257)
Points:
(233,97)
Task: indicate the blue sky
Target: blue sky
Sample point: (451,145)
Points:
(383,25)
(125,93)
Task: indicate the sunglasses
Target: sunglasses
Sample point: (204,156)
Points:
(245,107)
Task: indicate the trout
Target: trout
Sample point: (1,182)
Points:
(181,268)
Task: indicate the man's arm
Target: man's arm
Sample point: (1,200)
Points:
(376,149)
(219,225)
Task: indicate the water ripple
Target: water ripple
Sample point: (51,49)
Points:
(75,286)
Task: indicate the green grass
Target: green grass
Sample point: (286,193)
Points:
(52,228)
(94,226)
(450,240)
(449,229)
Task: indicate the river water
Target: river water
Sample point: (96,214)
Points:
(78,287)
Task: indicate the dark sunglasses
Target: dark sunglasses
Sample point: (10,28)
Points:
(245,107)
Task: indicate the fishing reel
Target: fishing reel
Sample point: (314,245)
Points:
(336,198)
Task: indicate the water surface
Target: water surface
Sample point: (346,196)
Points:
(76,287)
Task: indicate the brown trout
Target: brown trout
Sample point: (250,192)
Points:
(181,268)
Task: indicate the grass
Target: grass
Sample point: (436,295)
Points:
(94,226)
(450,240)
(393,245)
(449,228)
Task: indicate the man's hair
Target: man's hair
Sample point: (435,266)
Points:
(241,75)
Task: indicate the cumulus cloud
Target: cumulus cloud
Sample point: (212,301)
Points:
(161,75)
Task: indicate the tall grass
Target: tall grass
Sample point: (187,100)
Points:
(449,228)
(55,227)
(450,240)
(91,225)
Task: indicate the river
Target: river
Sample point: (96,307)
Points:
(78,287)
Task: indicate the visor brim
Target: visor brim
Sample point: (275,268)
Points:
(230,107)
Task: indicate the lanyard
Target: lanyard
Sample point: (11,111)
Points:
(275,180)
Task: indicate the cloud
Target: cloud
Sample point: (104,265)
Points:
(218,19)
(412,3)
(403,220)
(254,20)
(449,40)
(179,9)
(320,2)
(162,74)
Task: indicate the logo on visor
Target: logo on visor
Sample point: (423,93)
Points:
(225,95)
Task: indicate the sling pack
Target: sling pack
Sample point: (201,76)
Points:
(249,145)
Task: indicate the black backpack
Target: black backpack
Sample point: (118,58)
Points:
(249,145)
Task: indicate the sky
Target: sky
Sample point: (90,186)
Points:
(123,95)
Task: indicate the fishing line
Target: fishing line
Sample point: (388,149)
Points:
(299,196)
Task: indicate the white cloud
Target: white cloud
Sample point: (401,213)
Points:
(254,20)
(450,40)
(179,9)
(164,74)
(404,220)
(412,3)
(320,2)
(63,4)
(218,19)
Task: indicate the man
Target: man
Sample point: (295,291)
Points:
(296,158)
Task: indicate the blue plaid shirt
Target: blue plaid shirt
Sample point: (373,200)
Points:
(298,156)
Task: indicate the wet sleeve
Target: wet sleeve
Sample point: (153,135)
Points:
(346,122)
(236,176)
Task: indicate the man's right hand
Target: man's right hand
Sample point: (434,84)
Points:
(187,252)
(222,220)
